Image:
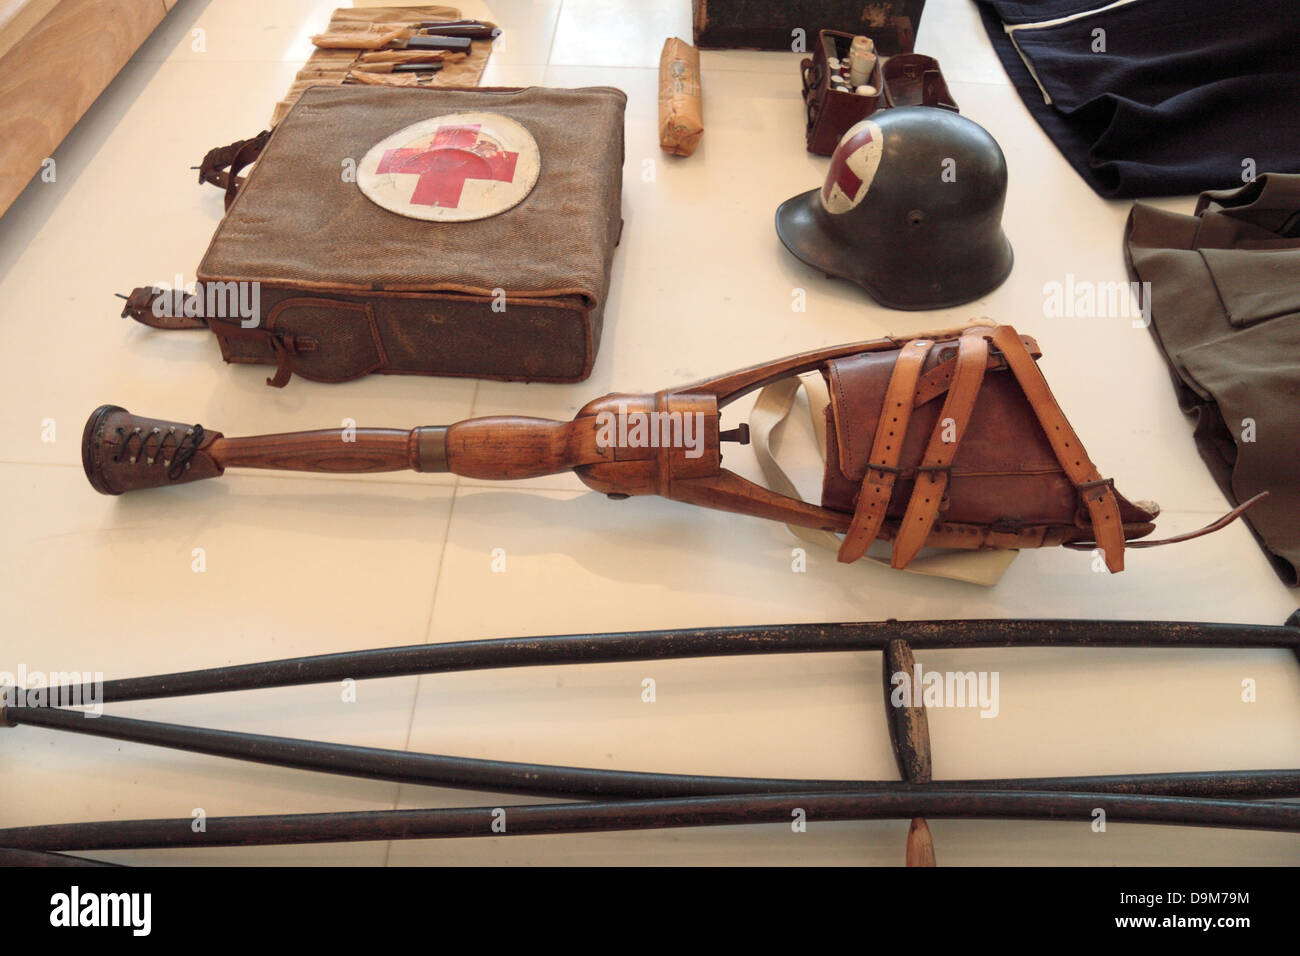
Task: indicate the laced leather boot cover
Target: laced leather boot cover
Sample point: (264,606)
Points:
(125,452)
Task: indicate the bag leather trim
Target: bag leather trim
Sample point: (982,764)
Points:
(380,359)
(933,475)
(887,446)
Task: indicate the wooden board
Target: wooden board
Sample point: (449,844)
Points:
(53,67)
(18,17)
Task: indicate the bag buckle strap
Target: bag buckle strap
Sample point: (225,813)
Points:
(1095,490)
(946,469)
(886,448)
(221,166)
(887,469)
(140,305)
(284,344)
(927,500)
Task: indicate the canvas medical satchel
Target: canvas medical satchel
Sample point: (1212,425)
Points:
(414,231)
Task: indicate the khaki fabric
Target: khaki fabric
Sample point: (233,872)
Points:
(1225,309)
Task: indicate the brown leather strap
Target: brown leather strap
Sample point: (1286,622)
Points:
(1216,525)
(1097,494)
(978,537)
(285,345)
(140,306)
(936,381)
(222,165)
(886,447)
(932,474)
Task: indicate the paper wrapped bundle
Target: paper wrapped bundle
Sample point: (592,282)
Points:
(681,117)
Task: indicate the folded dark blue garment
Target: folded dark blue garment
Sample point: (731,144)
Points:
(1158,97)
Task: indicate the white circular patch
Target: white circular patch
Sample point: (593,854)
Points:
(452,168)
(853,167)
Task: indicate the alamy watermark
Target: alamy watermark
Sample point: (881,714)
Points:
(75,908)
(218,300)
(53,689)
(945,689)
(624,429)
(1083,299)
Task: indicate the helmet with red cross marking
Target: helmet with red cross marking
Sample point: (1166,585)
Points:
(911,210)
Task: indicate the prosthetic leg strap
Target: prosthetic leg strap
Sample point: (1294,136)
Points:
(933,472)
(886,448)
(1096,492)
(771,408)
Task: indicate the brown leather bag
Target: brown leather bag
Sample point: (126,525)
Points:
(347,287)
(960,444)
(948,440)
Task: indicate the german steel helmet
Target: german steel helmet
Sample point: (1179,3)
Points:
(911,210)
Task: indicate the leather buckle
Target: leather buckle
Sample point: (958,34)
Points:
(138,302)
(1095,490)
(946,469)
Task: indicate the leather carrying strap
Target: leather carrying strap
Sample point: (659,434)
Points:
(222,165)
(936,381)
(1097,494)
(140,306)
(932,475)
(1216,525)
(285,345)
(887,446)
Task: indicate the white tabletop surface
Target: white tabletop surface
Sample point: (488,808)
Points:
(309,564)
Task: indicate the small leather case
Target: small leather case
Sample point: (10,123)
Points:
(904,79)
(831,111)
(914,79)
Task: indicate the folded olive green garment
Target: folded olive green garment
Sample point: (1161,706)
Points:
(1224,300)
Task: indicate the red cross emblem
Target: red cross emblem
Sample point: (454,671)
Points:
(457,167)
(454,155)
(840,174)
